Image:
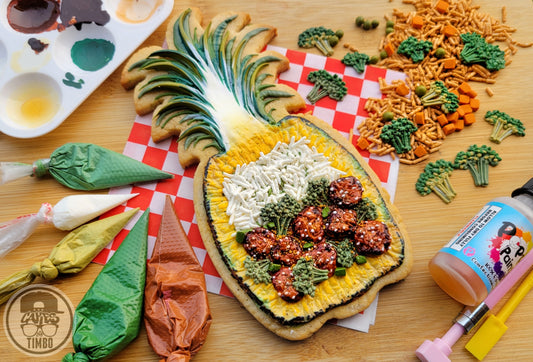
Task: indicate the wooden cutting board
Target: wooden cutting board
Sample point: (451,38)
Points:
(409,312)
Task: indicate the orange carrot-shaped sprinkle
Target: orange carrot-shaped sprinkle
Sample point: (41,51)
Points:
(474,104)
(449,129)
(441,118)
(417,22)
(419,118)
(464,88)
(449,30)
(389,49)
(420,151)
(442,6)
(459,125)
(362,143)
(464,109)
(452,117)
(402,89)
(464,99)
(450,63)
(469,119)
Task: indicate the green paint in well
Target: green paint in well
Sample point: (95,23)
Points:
(92,54)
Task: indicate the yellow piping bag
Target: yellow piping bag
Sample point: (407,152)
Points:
(71,255)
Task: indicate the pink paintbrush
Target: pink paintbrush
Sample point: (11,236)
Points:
(439,349)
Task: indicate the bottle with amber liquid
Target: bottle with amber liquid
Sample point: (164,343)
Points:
(474,261)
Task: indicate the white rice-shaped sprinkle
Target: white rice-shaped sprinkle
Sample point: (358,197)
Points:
(288,168)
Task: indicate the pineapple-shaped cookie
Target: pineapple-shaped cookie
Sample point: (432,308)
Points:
(295,221)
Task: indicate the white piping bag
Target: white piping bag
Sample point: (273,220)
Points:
(69,213)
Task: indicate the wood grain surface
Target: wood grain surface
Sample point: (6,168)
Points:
(408,312)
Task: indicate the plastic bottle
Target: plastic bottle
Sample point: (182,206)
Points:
(486,248)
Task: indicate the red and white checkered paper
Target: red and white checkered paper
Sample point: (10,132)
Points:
(343,116)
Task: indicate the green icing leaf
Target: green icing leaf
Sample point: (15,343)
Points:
(201,63)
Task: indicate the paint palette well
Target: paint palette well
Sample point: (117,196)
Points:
(54,54)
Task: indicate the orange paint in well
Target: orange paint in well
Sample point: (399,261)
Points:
(137,11)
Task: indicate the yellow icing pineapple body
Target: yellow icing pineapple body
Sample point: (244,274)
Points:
(215,89)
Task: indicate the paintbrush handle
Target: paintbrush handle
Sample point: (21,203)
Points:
(518,271)
(516,298)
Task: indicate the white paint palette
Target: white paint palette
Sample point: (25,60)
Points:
(49,64)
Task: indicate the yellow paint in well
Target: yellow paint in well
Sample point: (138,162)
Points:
(32,106)
(137,11)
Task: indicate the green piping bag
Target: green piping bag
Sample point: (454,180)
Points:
(71,255)
(85,166)
(109,316)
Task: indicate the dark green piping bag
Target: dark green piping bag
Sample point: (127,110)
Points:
(109,316)
(85,166)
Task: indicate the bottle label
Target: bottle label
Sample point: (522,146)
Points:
(492,242)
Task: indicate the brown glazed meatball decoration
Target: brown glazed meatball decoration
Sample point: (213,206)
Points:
(259,242)
(345,192)
(372,238)
(341,223)
(309,224)
(310,227)
(286,251)
(282,282)
(324,257)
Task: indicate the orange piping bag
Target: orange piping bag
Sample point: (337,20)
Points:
(176,310)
